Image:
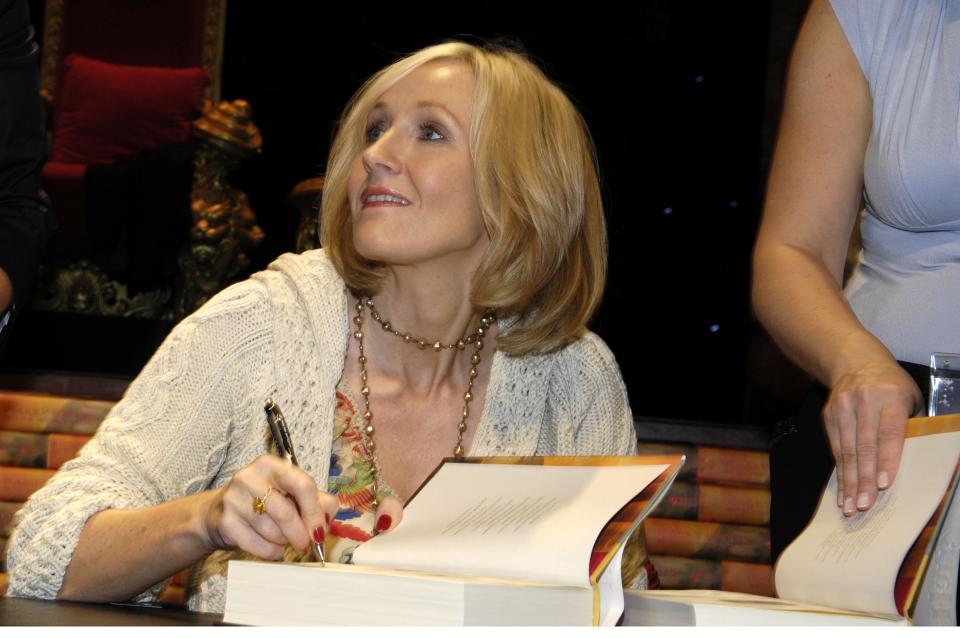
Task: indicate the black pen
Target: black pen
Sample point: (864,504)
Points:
(281,438)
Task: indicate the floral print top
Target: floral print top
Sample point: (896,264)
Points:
(351,482)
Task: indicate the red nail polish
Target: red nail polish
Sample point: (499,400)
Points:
(319,535)
(383,523)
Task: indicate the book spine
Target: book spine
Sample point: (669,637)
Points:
(7,511)
(713,541)
(715,465)
(749,578)
(180,578)
(726,466)
(64,447)
(689,573)
(23,412)
(3,584)
(173,595)
(18,483)
(41,450)
(715,503)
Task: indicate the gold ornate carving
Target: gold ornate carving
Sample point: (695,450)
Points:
(211,57)
(224,225)
(50,56)
(83,288)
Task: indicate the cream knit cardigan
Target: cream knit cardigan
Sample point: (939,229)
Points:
(195,415)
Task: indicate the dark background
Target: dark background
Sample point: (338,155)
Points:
(682,100)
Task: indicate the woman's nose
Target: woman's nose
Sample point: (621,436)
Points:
(382,154)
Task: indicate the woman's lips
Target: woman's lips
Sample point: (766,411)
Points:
(380,197)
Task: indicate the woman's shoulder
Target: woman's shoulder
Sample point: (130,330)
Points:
(580,366)
(290,279)
(591,358)
(877,30)
(295,288)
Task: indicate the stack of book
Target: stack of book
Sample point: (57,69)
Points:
(711,531)
(38,434)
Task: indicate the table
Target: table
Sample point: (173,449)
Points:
(28,611)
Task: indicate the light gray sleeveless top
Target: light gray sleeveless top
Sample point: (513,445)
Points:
(906,288)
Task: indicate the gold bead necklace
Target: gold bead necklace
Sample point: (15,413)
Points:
(367,432)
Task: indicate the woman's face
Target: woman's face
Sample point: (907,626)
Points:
(412,192)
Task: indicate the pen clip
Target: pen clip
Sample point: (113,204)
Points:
(278,428)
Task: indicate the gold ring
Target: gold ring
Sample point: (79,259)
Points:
(260,502)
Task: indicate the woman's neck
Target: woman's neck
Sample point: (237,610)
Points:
(428,306)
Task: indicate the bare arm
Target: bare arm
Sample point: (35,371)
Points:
(812,200)
(147,545)
(121,553)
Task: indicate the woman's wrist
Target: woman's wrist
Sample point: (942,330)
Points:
(856,352)
(205,522)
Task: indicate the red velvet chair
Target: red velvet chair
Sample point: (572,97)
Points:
(121,77)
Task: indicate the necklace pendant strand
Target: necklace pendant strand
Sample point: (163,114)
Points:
(367,431)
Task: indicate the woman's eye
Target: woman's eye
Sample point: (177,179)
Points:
(430,132)
(374,131)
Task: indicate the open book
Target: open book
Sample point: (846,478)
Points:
(512,541)
(886,565)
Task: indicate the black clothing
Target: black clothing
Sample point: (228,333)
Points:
(25,218)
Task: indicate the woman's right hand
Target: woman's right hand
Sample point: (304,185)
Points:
(295,511)
(865,419)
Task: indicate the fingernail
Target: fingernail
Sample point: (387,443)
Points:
(863,501)
(883,481)
(383,523)
(848,507)
(319,535)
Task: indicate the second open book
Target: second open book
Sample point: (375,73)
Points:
(889,564)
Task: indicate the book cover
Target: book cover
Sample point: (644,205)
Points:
(691,573)
(716,465)
(7,510)
(18,483)
(39,450)
(713,541)
(715,503)
(25,412)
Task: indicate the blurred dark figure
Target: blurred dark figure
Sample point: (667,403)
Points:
(25,219)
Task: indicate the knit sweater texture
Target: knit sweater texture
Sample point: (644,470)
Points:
(194,416)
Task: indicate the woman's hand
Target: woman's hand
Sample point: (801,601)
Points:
(295,512)
(865,418)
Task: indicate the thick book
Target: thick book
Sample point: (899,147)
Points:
(872,567)
(26,412)
(706,464)
(43,450)
(18,483)
(711,541)
(7,511)
(676,572)
(493,541)
(716,504)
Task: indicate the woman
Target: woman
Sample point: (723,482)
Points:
(870,111)
(461,212)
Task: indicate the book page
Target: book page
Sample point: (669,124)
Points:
(852,562)
(529,522)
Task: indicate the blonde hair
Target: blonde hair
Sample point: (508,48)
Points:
(537,187)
